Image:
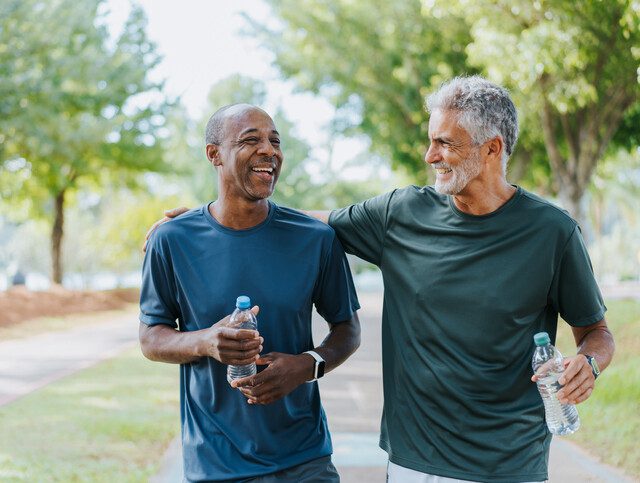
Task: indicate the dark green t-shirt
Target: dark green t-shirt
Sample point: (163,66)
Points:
(463,297)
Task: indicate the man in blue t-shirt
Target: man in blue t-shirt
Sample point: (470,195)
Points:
(270,426)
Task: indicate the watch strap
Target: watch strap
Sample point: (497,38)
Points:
(318,368)
(595,369)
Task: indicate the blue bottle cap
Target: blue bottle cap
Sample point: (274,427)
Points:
(243,302)
(541,338)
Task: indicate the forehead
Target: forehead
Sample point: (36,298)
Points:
(444,123)
(247,120)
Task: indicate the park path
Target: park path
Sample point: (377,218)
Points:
(351,394)
(30,363)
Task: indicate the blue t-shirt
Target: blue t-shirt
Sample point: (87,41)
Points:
(192,273)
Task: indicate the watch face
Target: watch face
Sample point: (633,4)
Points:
(594,366)
(320,369)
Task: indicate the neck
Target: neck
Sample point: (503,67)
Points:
(239,214)
(482,198)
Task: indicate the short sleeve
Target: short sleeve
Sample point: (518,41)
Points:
(574,291)
(361,227)
(334,294)
(158,300)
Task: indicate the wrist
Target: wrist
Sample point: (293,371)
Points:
(318,366)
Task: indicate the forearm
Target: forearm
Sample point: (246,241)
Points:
(342,341)
(162,343)
(322,215)
(596,341)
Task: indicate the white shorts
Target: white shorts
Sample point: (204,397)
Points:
(400,474)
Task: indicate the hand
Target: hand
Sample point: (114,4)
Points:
(232,346)
(284,372)
(168,215)
(577,380)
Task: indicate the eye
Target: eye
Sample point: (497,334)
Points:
(251,140)
(275,142)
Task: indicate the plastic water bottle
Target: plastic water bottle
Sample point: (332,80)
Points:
(547,365)
(242,318)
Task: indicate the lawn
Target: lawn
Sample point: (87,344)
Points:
(109,423)
(611,417)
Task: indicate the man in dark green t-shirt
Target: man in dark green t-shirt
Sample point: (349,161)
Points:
(473,267)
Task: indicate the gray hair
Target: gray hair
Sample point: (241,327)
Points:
(485,110)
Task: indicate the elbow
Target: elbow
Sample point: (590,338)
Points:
(355,333)
(147,345)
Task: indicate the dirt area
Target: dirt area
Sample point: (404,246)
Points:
(19,304)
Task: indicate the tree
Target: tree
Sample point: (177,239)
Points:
(574,69)
(69,116)
(375,60)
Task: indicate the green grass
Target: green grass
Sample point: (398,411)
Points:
(109,423)
(610,418)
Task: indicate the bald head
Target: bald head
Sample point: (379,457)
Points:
(214,133)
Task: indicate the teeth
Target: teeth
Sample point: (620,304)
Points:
(443,170)
(263,170)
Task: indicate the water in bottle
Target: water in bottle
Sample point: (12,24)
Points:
(242,318)
(547,365)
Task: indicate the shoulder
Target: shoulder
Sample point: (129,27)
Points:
(296,220)
(177,228)
(546,215)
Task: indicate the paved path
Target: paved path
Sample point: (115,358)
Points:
(30,363)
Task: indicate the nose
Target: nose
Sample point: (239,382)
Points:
(267,149)
(432,155)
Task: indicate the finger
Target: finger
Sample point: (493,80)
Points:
(239,334)
(237,362)
(584,396)
(249,381)
(154,226)
(571,370)
(573,388)
(255,310)
(262,361)
(174,212)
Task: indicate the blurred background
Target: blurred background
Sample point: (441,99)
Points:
(103,105)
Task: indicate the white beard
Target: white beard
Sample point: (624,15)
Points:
(460,175)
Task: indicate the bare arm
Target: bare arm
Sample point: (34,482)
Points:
(322,215)
(225,344)
(285,372)
(596,341)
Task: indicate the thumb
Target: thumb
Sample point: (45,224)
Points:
(255,310)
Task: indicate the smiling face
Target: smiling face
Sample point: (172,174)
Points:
(249,158)
(452,153)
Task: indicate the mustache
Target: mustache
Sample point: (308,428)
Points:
(441,165)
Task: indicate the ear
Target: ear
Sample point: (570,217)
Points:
(495,147)
(213,154)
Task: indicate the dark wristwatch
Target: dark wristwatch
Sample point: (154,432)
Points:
(594,365)
(318,368)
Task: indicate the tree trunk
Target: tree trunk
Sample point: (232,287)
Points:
(56,238)
(572,200)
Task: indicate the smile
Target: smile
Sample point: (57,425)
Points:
(262,170)
(443,170)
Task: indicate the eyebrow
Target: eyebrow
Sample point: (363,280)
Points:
(253,129)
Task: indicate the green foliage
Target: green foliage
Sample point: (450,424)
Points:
(67,115)
(572,68)
(375,61)
(70,115)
